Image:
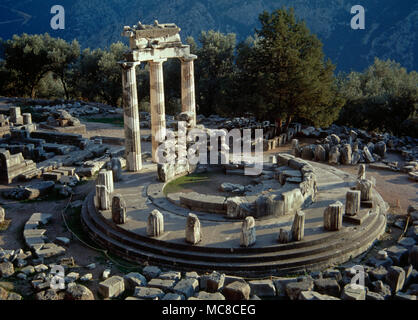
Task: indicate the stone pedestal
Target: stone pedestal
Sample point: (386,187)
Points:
(333,217)
(188,102)
(298,227)
(131,117)
(248,233)
(102,197)
(155,226)
(193,230)
(105,178)
(352,202)
(118,209)
(285,235)
(158,126)
(365,186)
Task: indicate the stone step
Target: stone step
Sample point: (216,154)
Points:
(170,256)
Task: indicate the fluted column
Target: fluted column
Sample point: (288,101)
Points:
(188,100)
(131,117)
(158,128)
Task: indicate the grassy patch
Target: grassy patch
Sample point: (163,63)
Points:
(181,183)
(5,225)
(115,121)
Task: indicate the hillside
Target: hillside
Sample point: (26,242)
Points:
(391,26)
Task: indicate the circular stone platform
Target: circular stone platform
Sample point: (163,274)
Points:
(220,246)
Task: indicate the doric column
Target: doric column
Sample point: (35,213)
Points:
(188,102)
(158,128)
(131,117)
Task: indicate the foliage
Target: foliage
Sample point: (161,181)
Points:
(283,72)
(382,98)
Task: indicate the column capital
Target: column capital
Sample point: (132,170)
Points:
(159,60)
(188,58)
(129,64)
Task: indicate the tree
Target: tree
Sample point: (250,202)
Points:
(214,70)
(284,72)
(383,97)
(98,75)
(31,57)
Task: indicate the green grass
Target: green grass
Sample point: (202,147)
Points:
(179,184)
(115,121)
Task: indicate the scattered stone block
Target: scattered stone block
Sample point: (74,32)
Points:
(353,292)
(314,296)
(112,287)
(186,287)
(395,278)
(170,275)
(212,282)
(262,288)
(237,290)
(78,292)
(133,280)
(173,296)
(398,254)
(293,289)
(164,285)
(327,286)
(148,293)
(151,272)
(202,295)
(6,269)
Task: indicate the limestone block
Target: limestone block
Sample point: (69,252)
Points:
(298,227)
(193,230)
(365,186)
(333,216)
(2,214)
(112,287)
(237,291)
(102,197)
(118,209)
(155,225)
(105,178)
(352,202)
(248,232)
(285,235)
(320,153)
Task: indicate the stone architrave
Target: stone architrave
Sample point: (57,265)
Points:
(155,225)
(352,202)
(105,177)
(158,125)
(333,217)
(365,186)
(188,100)
(118,209)
(193,229)
(248,233)
(103,197)
(298,227)
(361,175)
(131,117)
